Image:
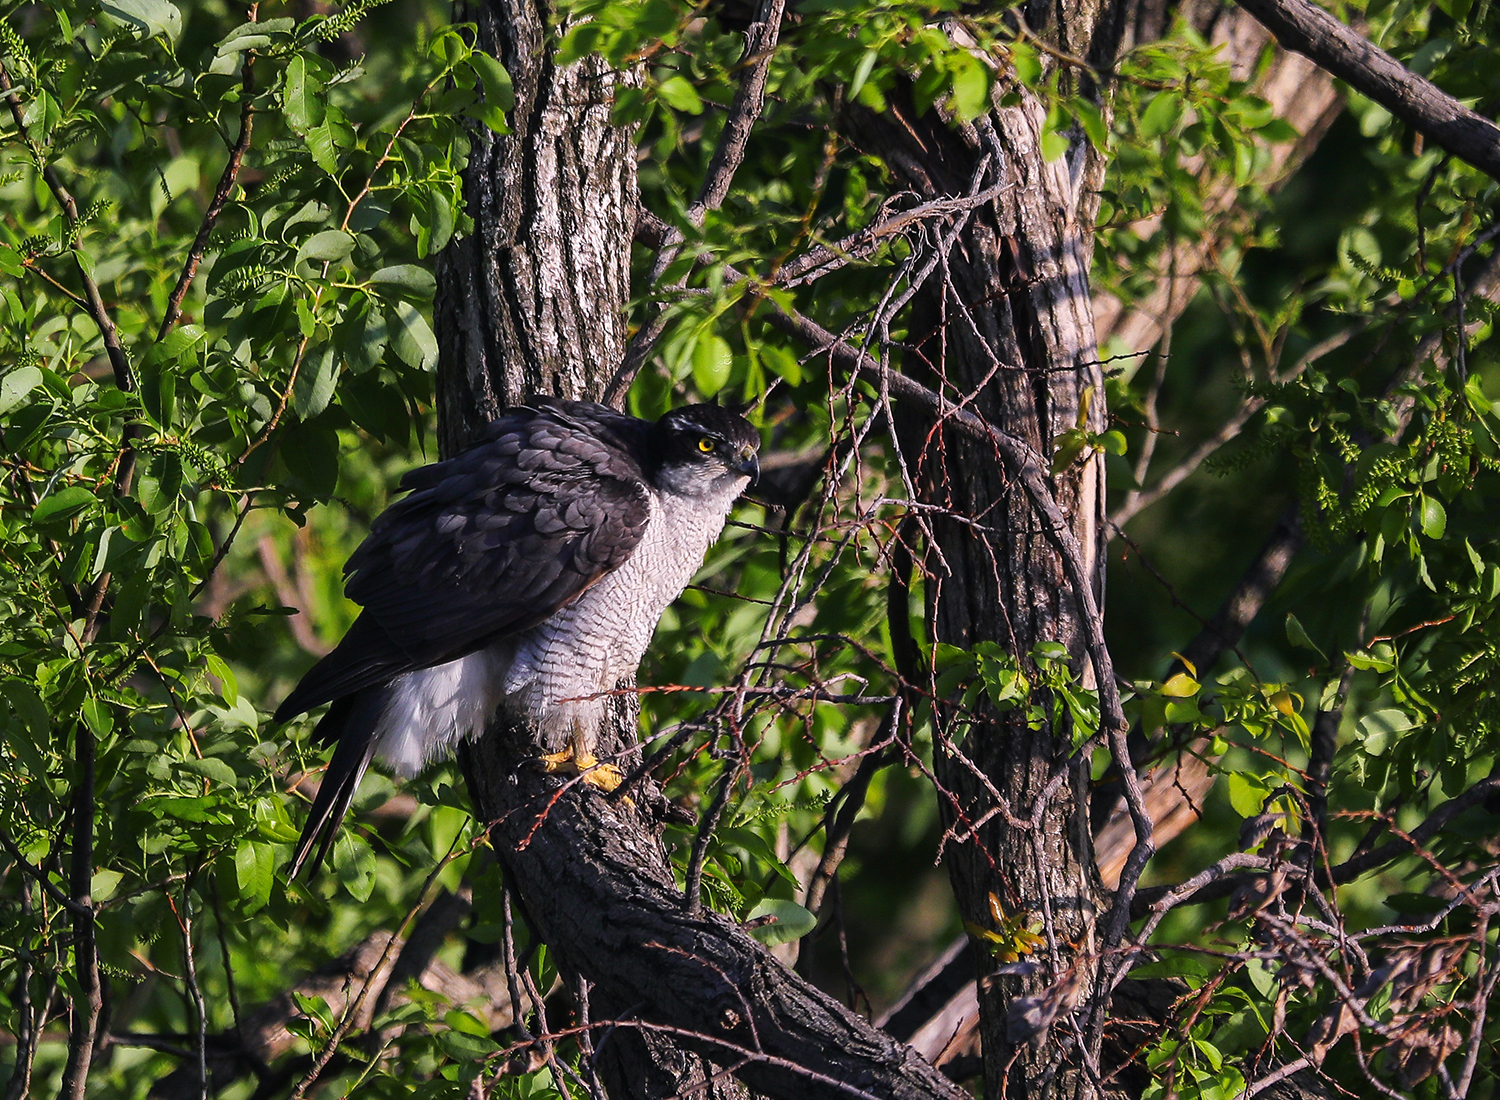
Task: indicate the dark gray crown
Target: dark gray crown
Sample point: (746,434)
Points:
(714,421)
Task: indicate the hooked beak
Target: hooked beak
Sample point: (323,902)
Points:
(750,467)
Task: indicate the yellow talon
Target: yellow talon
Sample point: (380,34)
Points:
(568,762)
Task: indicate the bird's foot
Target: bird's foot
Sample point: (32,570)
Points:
(585,765)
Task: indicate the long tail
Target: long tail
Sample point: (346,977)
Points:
(351,720)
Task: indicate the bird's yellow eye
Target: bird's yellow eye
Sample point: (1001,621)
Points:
(706,444)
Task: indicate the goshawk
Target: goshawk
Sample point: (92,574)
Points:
(528,573)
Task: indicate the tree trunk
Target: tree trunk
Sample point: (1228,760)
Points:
(1009,327)
(533,302)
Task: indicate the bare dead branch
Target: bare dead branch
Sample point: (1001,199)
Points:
(380,971)
(744,110)
(824,258)
(194,990)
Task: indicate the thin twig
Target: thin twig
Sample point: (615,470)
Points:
(744,112)
(352,1012)
(222,193)
(692,889)
(194,990)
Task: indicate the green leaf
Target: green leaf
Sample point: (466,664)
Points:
(314,1008)
(1025,63)
(16,385)
(324,150)
(1261,978)
(498,88)
(971,87)
(1180,686)
(301,96)
(1278,131)
(782,362)
(1247,793)
(440,222)
(159,393)
(579,42)
(681,95)
(862,72)
(255,872)
(492,117)
(1434,517)
(411,336)
(1299,637)
(1069,445)
(1378,729)
(98,716)
(1092,120)
(229,686)
(63,504)
(414,279)
(307,324)
(1369,662)
(355,863)
(147,18)
(213,769)
(311,454)
(1161,114)
(712,361)
(791,921)
(1054,144)
(315,384)
(329,245)
(103,884)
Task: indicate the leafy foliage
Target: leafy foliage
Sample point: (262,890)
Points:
(145,446)
(170,492)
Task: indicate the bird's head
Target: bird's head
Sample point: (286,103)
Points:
(706,450)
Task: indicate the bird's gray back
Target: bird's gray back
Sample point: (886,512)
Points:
(556,675)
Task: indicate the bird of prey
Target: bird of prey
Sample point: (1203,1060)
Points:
(527,572)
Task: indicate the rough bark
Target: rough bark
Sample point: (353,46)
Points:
(1009,326)
(533,300)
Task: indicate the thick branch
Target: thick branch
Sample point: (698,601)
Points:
(598,889)
(1311,31)
(89,1000)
